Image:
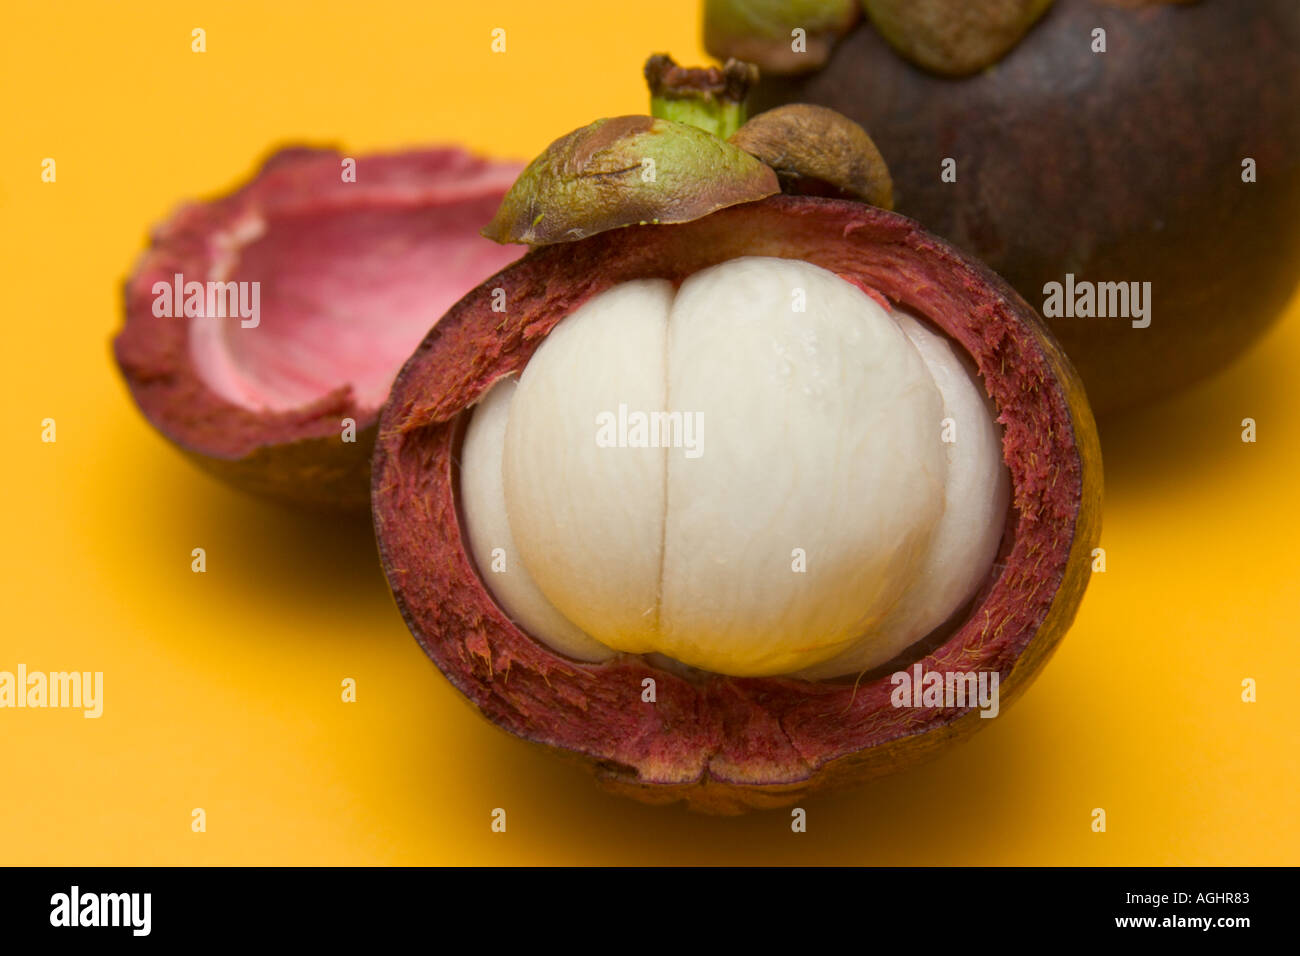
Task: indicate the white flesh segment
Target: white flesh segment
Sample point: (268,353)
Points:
(967,537)
(588,520)
(484,505)
(820,434)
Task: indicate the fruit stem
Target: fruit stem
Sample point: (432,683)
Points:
(708,97)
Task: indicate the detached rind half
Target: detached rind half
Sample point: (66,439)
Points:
(359,267)
(726,744)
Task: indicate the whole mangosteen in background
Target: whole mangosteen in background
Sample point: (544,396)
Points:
(1115,142)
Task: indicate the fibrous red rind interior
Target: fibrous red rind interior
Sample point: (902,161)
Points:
(765,731)
(353,267)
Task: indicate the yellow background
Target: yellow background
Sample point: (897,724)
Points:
(222,690)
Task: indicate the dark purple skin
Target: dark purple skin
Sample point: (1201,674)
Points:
(1122,166)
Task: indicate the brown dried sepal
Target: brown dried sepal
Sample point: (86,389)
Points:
(666,78)
(819,152)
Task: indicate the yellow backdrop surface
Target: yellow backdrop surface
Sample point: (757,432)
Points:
(222,690)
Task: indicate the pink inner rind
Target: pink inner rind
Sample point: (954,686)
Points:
(351,273)
(753,731)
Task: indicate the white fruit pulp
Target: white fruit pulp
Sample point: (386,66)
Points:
(763,472)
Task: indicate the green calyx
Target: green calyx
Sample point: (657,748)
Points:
(948,37)
(625,171)
(781,36)
(696,155)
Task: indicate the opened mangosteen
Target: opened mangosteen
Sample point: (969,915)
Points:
(1074,144)
(783,495)
(263,328)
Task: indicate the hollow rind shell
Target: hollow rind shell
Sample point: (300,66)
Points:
(727,744)
(297,456)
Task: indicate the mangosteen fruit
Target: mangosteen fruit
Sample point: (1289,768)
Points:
(1083,143)
(739,507)
(263,328)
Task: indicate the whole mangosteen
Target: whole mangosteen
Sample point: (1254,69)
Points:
(1088,147)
